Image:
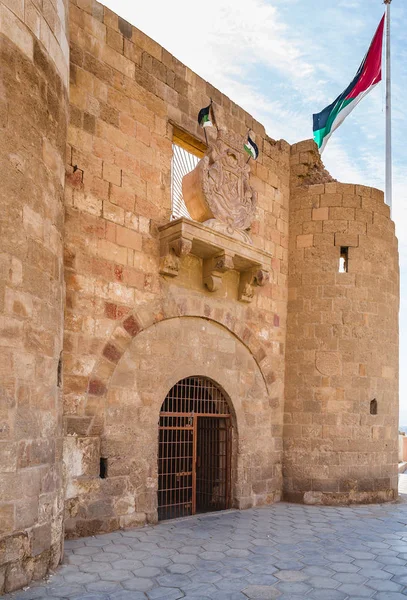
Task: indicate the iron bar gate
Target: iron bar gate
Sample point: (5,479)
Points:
(194,459)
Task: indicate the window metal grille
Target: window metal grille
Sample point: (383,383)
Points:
(183,162)
(196,395)
(195,439)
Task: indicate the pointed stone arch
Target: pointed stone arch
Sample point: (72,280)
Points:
(149,314)
(140,363)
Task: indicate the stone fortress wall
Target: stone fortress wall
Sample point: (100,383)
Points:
(131,332)
(33,124)
(128,95)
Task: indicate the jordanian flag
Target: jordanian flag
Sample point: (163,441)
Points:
(367,77)
(204,117)
(251,148)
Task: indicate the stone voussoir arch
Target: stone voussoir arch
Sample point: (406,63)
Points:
(146,315)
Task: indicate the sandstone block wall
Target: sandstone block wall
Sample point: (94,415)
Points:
(342,342)
(33,124)
(127,95)
(316,349)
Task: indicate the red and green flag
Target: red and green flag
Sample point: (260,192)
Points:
(368,76)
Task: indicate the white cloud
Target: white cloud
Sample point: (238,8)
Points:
(223,33)
(339,163)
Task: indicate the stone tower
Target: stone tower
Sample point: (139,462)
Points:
(33,123)
(341,406)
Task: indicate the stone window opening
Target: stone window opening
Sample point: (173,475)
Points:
(186,153)
(373,407)
(103,468)
(344,259)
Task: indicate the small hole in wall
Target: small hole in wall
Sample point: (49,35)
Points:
(59,371)
(343,259)
(373,407)
(103,468)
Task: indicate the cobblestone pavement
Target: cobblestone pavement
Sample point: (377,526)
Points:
(285,551)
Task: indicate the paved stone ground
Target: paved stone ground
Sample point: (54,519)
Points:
(285,551)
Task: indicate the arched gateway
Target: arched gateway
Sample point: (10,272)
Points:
(231,425)
(195,449)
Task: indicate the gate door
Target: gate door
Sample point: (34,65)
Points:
(175,466)
(213,463)
(194,459)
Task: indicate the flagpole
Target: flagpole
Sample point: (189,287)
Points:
(388,194)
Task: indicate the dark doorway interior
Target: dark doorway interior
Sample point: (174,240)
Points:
(212,464)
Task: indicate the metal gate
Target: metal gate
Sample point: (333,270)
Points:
(194,457)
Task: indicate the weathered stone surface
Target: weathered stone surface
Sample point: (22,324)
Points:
(342,343)
(269,557)
(6,518)
(261,592)
(41,538)
(129,329)
(33,123)
(328,363)
(132,329)
(219,187)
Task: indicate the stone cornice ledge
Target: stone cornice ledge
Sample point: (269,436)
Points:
(219,252)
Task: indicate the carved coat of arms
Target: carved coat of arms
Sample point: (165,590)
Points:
(218,192)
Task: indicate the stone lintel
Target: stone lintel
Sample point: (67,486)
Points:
(219,252)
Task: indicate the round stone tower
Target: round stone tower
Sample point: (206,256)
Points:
(33,122)
(341,412)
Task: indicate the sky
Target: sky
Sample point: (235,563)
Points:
(282,60)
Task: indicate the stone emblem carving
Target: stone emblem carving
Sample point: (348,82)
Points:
(222,204)
(218,192)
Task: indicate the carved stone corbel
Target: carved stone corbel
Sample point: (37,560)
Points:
(214,269)
(171,255)
(181,246)
(249,280)
(169,264)
(218,252)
